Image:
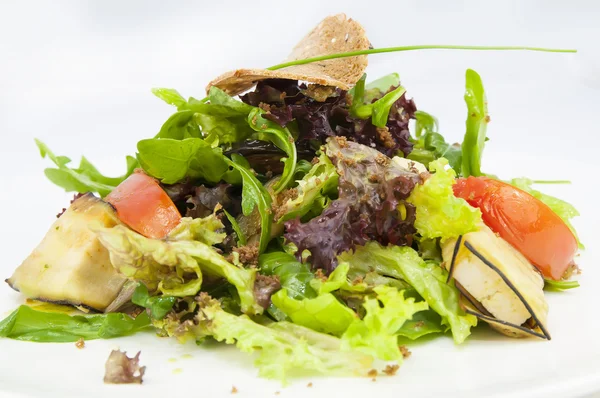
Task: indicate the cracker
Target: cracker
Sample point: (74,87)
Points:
(335,34)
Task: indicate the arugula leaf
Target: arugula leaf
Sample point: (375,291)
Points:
(220,97)
(173,160)
(564,210)
(379,110)
(28,324)
(376,334)
(159,306)
(179,126)
(85,178)
(477,120)
(323,313)
(171,97)
(378,87)
(358,95)
(431,145)
(241,237)
(280,136)
(254,195)
(381,107)
(559,286)
(440,214)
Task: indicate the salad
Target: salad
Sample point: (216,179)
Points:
(305,213)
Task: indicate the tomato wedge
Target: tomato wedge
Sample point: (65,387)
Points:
(144,206)
(523,221)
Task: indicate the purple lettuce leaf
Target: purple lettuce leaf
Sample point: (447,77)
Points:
(287,101)
(371,188)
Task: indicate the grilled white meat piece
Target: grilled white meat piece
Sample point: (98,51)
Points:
(500,285)
(70,265)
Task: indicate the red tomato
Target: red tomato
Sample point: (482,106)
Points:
(144,206)
(523,221)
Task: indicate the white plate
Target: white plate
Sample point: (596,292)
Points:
(78,76)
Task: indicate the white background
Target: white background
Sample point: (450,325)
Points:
(78,76)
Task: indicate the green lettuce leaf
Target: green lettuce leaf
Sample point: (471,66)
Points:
(564,210)
(282,347)
(85,178)
(338,280)
(323,313)
(254,195)
(168,265)
(477,120)
(171,97)
(294,276)
(440,214)
(376,334)
(159,305)
(28,324)
(427,278)
(421,324)
(313,190)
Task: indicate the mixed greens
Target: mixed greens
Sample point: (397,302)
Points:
(310,226)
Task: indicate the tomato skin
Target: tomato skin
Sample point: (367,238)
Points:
(144,206)
(522,220)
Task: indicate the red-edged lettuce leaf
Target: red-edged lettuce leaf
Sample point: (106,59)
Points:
(319,114)
(371,187)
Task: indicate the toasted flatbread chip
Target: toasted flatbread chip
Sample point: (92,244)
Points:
(335,34)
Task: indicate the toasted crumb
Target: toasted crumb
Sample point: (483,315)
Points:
(405,352)
(391,370)
(382,160)
(279,207)
(248,254)
(277,392)
(372,373)
(265,107)
(234,390)
(320,275)
(80,343)
(374,178)
(309,385)
(342,141)
(314,160)
(373,379)
(386,137)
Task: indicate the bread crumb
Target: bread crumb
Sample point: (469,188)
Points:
(405,352)
(372,373)
(80,343)
(309,385)
(277,392)
(373,379)
(391,370)
(234,390)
